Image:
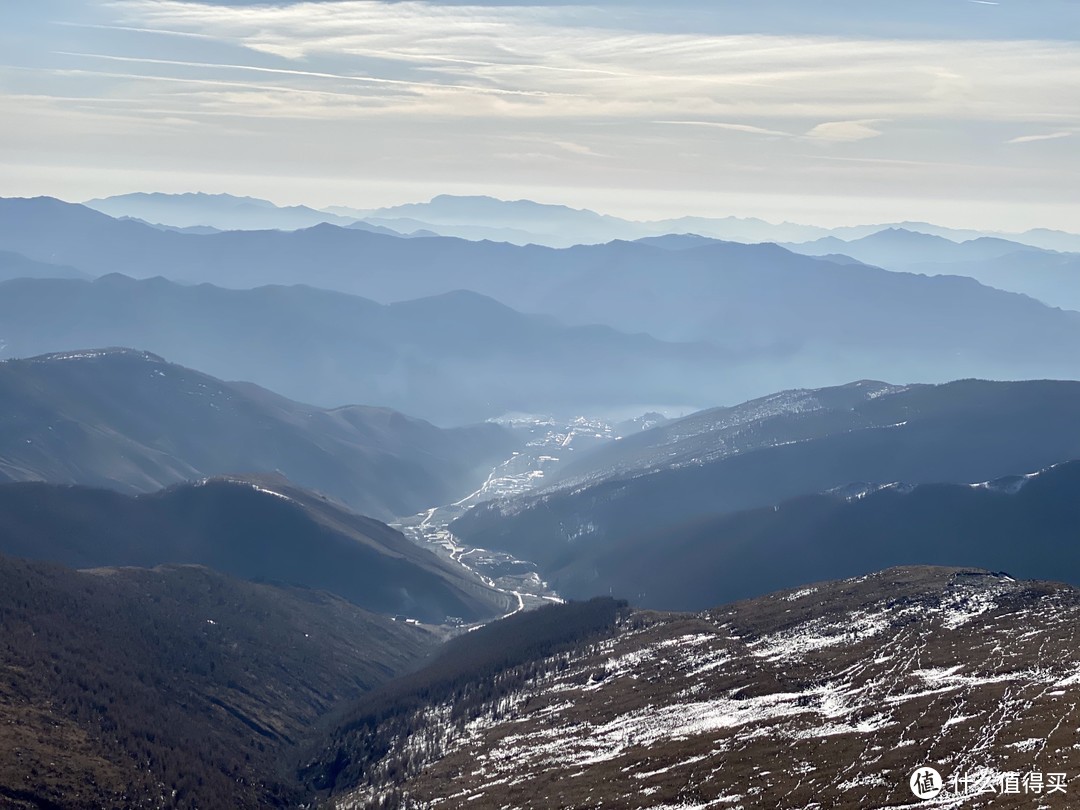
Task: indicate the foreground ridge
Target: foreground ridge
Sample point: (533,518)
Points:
(827,696)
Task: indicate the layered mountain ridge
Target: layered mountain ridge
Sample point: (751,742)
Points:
(706,509)
(757,318)
(132,421)
(257,529)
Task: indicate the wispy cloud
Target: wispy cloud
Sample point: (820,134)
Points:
(593,70)
(747,128)
(833,131)
(558,95)
(1053,136)
(344,77)
(135,29)
(845,131)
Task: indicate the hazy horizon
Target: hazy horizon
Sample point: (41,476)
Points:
(964,113)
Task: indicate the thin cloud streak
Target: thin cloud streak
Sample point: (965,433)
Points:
(134,29)
(309,74)
(1053,136)
(631,73)
(530,96)
(747,128)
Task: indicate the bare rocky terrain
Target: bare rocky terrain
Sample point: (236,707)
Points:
(829,696)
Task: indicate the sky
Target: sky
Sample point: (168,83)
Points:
(962,112)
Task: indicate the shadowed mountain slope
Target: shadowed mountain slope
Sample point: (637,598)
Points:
(255,529)
(1023,525)
(132,421)
(175,687)
(796,444)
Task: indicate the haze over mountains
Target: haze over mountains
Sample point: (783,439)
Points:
(1020,262)
(517,221)
(765,317)
(12,266)
(539,405)
(134,422)
(294,641)
(1046,275)
(629,501)
(455,358)
(221,211)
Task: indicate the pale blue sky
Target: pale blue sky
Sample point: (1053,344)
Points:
(960,111)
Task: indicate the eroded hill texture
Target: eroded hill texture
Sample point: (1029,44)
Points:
(826,697)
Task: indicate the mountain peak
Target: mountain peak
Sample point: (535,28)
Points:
(98,354)
(897,234)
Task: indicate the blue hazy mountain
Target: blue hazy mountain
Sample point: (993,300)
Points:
(526,222)
(900,249)
(454,358)
(133,422)
(1046,275)
(770,318)
(221,211)
(12,265)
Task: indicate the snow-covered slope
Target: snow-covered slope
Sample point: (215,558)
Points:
(826,697)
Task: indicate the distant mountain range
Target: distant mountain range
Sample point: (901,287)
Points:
(454,359)
(1049,276)
(775,318)
(520,222)
(204,601)
(1046,275)
(255,528)
(760,456)
(221,211)
(132,421)
(1028,263)
(1053,278)
(896,248)
(174,687)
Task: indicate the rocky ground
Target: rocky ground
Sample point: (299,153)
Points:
(831,696)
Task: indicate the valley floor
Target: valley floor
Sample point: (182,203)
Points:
(550,443)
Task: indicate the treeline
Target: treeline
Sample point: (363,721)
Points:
(396,730)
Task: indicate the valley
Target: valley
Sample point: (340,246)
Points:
(546,445)
(539,405)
